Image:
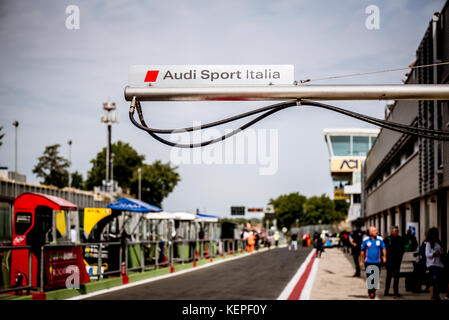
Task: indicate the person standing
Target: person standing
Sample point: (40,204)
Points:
(73,235)
(304,240)
(319,244)
(372,253)
(294,242)
(434,262)
(256,239)
(251,241)
(356,239)
(395,250)
(276,238)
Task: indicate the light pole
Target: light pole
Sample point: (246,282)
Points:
(15,124)
(70,162)
(139,171)
(109,118)
(112,171)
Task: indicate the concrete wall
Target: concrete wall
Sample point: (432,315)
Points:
(403,112)
(400,187)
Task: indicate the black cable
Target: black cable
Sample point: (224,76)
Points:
(398,127)
(274,108)
(350,113)
(215,123)
(421,132)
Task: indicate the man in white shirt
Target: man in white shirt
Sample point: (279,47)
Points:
(73,235)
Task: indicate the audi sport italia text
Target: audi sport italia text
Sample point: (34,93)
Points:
(206,74)
(210,75)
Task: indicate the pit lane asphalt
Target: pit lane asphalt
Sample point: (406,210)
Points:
(259,276)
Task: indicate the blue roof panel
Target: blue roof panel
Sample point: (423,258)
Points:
(133,205)
(206,215)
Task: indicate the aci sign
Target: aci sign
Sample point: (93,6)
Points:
(210,75)
(346,164)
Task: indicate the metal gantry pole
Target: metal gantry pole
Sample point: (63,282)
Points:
(314,92)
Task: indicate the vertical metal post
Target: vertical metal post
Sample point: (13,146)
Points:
(139,171)
(126,256)
(171,252)
(112,172)
(99,262)
(156,254)
(42,269)
(70,163)
(53,227)
(142,261)
(108,150)
(15,124)
(183,249)
(30,258)
(210,248)
(120,258)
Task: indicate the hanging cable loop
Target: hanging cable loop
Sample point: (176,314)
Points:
(269,110)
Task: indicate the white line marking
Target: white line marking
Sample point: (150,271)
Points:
(165,276)
(294,280)
(307,290)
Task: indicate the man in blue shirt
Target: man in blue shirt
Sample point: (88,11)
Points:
(372,254)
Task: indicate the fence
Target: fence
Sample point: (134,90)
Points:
(145,255)
(120,258)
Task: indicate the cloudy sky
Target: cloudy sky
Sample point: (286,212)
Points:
(54,80)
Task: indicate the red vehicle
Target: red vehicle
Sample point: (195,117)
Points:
(40,220)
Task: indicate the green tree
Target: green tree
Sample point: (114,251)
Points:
(158,181)
(288,208)
(320,210)
(125,162)
(341,207)
(52,167)
(77,180)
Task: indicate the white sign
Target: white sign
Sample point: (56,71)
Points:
(209,75)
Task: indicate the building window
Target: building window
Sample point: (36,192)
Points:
(356,198)
(341,145)
(340,183)
(372,140)
(357,177)
(360,145)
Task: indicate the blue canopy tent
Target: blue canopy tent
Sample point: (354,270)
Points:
(133,205)
(207,217)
